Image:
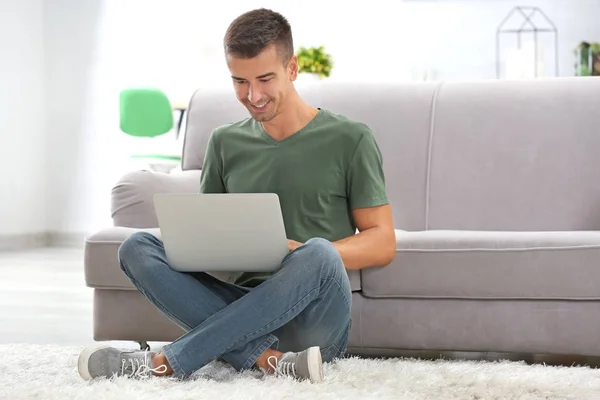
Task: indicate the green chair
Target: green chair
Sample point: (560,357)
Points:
(147,113)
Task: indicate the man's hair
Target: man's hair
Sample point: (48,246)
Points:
(252,32)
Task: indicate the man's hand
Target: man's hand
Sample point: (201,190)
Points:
(293,245)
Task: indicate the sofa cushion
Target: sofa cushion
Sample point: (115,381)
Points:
(489,265)
(101,264)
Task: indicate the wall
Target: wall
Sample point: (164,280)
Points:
(22,116)
(97,47)
(178,44)
(458,38)
(74,123)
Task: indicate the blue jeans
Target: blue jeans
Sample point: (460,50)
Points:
(305,303)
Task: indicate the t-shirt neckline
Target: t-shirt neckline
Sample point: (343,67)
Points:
(290,138)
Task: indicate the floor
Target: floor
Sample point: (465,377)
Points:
(44,299)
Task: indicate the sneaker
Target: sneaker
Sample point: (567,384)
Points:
(107,362)
(304,365)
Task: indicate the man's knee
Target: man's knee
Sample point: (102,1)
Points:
(132,249)
(322,252)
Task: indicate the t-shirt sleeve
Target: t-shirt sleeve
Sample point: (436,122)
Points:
(211,179)
(366,179)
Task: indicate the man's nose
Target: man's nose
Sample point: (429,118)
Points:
(254,94)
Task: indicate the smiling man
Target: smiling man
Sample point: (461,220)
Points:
(327,171)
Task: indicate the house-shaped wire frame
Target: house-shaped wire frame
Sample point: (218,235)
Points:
(527,17)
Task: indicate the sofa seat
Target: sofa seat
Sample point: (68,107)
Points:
(490,265)
(102,270)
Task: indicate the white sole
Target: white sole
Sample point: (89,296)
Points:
(83,361)
(315,364)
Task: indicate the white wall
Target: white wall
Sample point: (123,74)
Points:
(22,116)
(178,43)
(458,37)
(94,48)
(75,122)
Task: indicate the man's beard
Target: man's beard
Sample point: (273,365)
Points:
(262,117)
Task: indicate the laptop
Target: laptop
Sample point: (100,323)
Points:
(229,232)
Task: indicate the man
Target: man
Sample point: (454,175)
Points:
(327,171)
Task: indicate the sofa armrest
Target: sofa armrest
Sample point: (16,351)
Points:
(132,202)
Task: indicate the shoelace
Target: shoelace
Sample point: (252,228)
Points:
(286,368)
(140,368)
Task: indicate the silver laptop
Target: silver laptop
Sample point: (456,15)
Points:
(222,232)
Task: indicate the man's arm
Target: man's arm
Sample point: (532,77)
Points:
(375,244)
(211,180)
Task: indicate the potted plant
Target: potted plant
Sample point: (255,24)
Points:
(314,60)
(587,59)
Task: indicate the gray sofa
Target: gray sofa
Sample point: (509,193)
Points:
(496,198)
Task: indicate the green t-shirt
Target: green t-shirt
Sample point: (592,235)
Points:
(320,174)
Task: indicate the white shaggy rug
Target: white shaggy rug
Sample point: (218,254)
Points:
(50,373)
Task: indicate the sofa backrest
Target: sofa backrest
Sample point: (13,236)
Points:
(487,155)
(515,155)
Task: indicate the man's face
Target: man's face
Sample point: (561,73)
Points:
(262,83)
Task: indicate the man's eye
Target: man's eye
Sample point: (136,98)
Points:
(265,80)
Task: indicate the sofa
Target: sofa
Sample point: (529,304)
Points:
(496,204)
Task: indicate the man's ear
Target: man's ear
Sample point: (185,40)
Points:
(293,68)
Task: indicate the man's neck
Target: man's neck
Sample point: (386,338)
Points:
(293,118)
